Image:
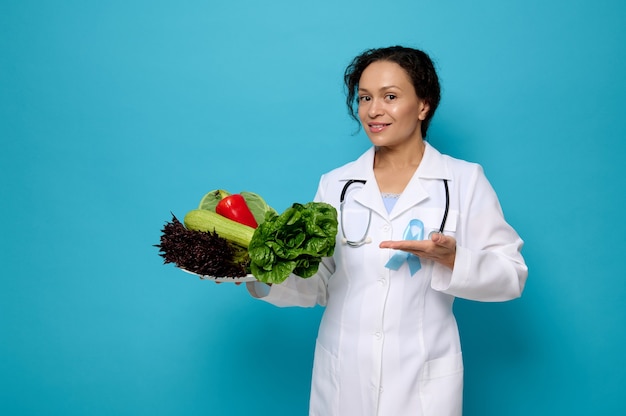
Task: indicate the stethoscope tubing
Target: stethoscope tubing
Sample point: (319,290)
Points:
(366,239)
(445,212)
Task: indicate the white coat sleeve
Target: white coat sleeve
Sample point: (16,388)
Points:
(296,291)
(489,265)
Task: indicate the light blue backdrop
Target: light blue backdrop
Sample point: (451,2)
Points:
(115,113)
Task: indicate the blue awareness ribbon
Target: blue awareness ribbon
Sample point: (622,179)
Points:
(413,231)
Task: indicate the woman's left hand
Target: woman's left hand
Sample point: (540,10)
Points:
(440,248)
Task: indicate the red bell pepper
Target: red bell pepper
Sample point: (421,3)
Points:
(234,208)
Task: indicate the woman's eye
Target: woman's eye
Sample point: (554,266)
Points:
(391,97)
(364,98)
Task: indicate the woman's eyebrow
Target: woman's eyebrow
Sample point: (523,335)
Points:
(387,87)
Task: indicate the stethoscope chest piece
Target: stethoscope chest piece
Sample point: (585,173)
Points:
(430,234)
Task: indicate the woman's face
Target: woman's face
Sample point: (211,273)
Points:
(389,108)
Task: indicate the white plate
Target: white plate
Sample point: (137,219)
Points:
(247,278)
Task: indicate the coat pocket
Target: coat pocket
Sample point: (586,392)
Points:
(441,386)
(324,384)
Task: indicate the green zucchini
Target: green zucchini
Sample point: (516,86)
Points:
(205,220)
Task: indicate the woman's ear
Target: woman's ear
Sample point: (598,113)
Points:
(425,108)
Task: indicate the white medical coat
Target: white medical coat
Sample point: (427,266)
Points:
(388,342)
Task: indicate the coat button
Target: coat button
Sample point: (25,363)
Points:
(378,335)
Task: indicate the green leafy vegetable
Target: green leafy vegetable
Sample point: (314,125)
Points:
(257,205)
(210,200)
(293,242)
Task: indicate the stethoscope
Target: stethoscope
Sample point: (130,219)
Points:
(366,238)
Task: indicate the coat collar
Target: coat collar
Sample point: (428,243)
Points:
(432,166)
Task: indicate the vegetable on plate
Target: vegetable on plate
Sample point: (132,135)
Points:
(202,253)
(234,207)
(292,242)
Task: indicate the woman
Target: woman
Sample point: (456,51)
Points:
(388,343)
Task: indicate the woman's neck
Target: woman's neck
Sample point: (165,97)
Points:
(400,158)
(394,167)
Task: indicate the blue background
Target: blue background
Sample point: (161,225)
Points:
(114,114)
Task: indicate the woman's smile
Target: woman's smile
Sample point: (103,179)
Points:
(377,127)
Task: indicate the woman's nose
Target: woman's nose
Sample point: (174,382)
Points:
(375,108)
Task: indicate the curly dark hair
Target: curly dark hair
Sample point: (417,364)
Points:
(415,62)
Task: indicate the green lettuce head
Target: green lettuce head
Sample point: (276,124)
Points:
(293,242)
